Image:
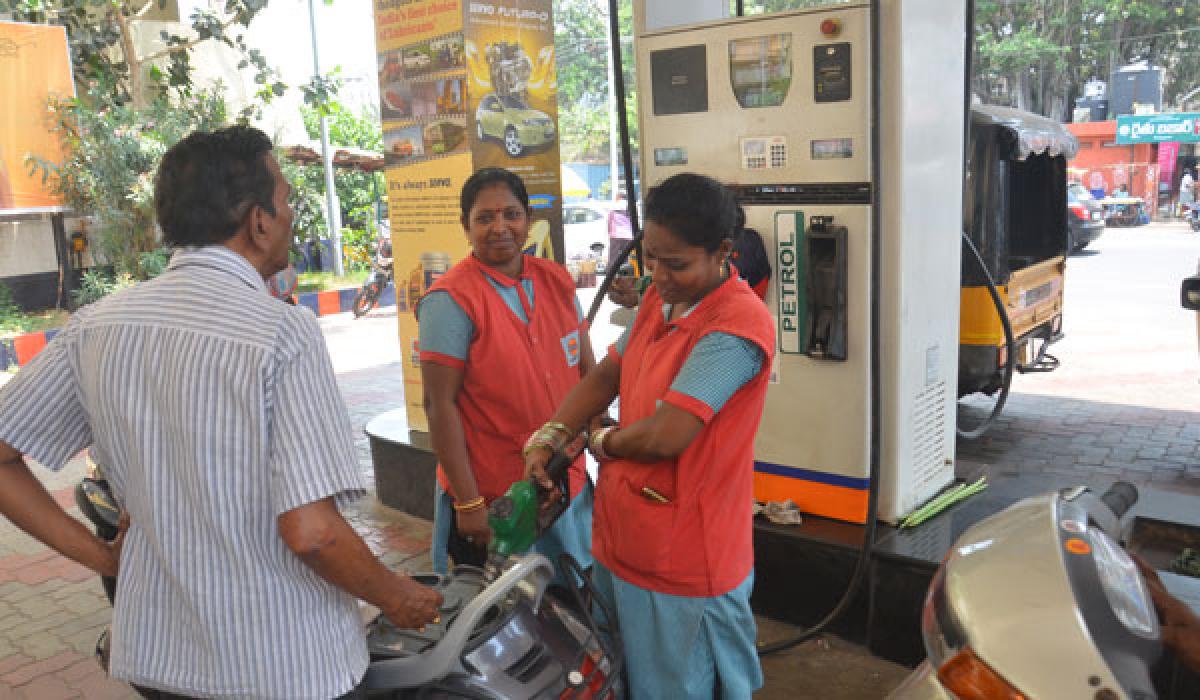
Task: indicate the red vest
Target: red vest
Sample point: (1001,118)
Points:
(516,374)
(701,543)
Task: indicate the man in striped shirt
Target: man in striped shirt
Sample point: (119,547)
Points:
(214,409)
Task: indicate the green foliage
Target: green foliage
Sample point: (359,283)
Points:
(308,187)
(12,319)
(356,242)
(103,36)
(98,283)
(1037,54)
(357,191)
(154,262)
(112,151)
(581,39)
(325,281)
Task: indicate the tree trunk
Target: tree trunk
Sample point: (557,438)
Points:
(137,76)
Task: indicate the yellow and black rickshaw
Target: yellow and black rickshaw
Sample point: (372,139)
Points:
(1014,214)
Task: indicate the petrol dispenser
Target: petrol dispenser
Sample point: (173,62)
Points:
(853,178)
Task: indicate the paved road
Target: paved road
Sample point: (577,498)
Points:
(1125,403)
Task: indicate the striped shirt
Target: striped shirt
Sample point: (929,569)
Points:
(213,409)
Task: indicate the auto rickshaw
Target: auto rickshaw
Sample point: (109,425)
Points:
(1014,213)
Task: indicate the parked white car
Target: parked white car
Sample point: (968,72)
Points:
(585,233)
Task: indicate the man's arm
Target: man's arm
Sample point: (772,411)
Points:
(25,502)
(319,535)
(314,465)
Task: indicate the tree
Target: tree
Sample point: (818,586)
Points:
(1037,54)
(582,42)
(134,102)
(357,191)
(105,53)
(111,153)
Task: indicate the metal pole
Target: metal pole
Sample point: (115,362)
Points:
(333,209)
(613,134)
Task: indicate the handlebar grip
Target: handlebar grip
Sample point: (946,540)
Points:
(1120,497)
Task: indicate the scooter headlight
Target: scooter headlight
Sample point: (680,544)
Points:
(1123,586)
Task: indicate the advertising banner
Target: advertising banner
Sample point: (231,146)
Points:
(1183,127)
(512,96)
(462,85)
(34,67)
(422,106)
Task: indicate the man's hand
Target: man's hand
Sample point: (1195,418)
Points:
(112,563)
(473,525)
(1180,626)
(413,606)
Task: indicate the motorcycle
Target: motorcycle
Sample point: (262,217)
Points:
(1192,216)
(1040,601)
(503,635)
(380,277)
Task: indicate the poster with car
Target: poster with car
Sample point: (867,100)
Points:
(513,105)
(422,105)
(438,61)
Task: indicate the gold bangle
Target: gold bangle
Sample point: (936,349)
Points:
(553,436)
(531,446)
(596,442)
(473,504)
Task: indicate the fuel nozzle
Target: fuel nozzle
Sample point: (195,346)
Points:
(523,513)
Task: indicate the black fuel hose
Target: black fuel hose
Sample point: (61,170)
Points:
(614,45)
(1010,344)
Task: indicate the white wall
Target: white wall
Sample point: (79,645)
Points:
(26,248)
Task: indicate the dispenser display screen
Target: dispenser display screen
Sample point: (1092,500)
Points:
(760,69)
(831,73)
(830,149)
(679,80)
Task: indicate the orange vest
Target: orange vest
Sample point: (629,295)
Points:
(516,373)
(699,544)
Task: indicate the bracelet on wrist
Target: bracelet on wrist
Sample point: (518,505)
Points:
(553,436)
(596,442)
(473,504)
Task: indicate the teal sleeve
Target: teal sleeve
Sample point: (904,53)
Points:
(623,341)
(719,365)
(443,326)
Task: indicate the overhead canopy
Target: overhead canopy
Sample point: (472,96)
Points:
(343,157)
(1033,134)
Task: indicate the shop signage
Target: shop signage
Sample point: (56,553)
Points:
(1183,127)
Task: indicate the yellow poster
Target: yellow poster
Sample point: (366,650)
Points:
(512,89)
(462,85)
(34,67)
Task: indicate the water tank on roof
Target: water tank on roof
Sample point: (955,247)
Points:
(1136,84)
(1095,88)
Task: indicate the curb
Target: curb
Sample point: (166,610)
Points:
(19,350)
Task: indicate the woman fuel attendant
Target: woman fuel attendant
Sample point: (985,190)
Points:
(672,530)
(502,341)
